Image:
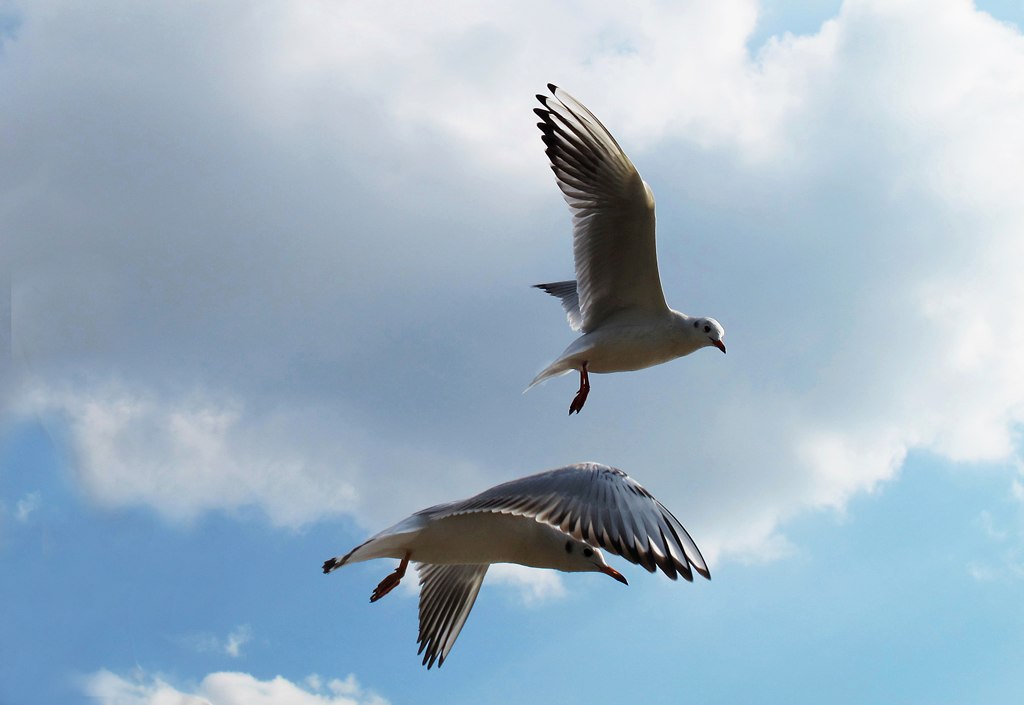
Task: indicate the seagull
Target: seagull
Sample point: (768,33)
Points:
(616,299)
(557,519)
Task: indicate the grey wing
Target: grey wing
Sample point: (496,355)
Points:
(447,594)
(566,293)
(602,506)
(612,208)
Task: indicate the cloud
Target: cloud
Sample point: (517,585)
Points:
(1001,556)
(981,573)
(236,639)
(230,645)
(988,525)
(533,586)
(193,456)
(26,505)
(197,452)
(1017,490)
(293,275)
(227,688)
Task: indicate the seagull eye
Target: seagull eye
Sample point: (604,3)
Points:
(568,546)
(587,553)
(707,329)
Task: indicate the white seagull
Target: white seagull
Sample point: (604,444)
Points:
(555,519)
(616,299)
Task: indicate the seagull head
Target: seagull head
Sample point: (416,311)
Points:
(581,557)
(710,331)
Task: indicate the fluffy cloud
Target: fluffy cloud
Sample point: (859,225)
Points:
(326,226)
(184,455)
(227,688)
(194,455)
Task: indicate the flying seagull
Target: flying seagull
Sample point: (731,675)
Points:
(557,519)
(616,299)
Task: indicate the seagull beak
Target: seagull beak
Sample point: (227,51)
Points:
(719,344)
(608,570)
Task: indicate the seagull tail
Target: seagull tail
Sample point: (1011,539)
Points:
(556,368)
(390,543)
(338,561)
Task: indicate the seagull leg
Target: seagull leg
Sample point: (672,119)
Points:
(391,581)
(581,395)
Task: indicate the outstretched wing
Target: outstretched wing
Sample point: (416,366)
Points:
(612,211)
(602,506)
(447,594)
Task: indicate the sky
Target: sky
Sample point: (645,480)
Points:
(267,272)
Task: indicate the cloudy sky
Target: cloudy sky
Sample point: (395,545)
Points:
(268,267)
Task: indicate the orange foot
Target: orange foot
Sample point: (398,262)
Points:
(391,581)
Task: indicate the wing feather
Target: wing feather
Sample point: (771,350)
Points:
(447,594)
(602,506)
(612,208)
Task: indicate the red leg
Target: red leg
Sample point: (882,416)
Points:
(391,581)
(581,395)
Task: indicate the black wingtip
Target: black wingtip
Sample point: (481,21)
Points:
(430,658)
(330,564)
(552,87)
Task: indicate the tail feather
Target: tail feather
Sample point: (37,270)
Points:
(390,543)
(338,561)
(556,368)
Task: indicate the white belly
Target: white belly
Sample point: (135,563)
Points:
(489,538)
(622,349)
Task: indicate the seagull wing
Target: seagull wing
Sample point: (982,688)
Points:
(602,506)
(612,212)
(447,594)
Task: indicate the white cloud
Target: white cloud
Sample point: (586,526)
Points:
(1003,557)
(331,233)
(988,525)
(981,573)
(231,645)
(533,586)
(236,639)
(194,455)
(26,505)
(1017,490)
(200,452)
(226,688)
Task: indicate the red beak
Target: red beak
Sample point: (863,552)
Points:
(718,344)
(608,570)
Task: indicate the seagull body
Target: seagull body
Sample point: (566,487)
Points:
(616,300)
(557,519)
(433,536)
(634,342)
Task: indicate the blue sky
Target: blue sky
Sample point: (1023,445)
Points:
(269,292)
